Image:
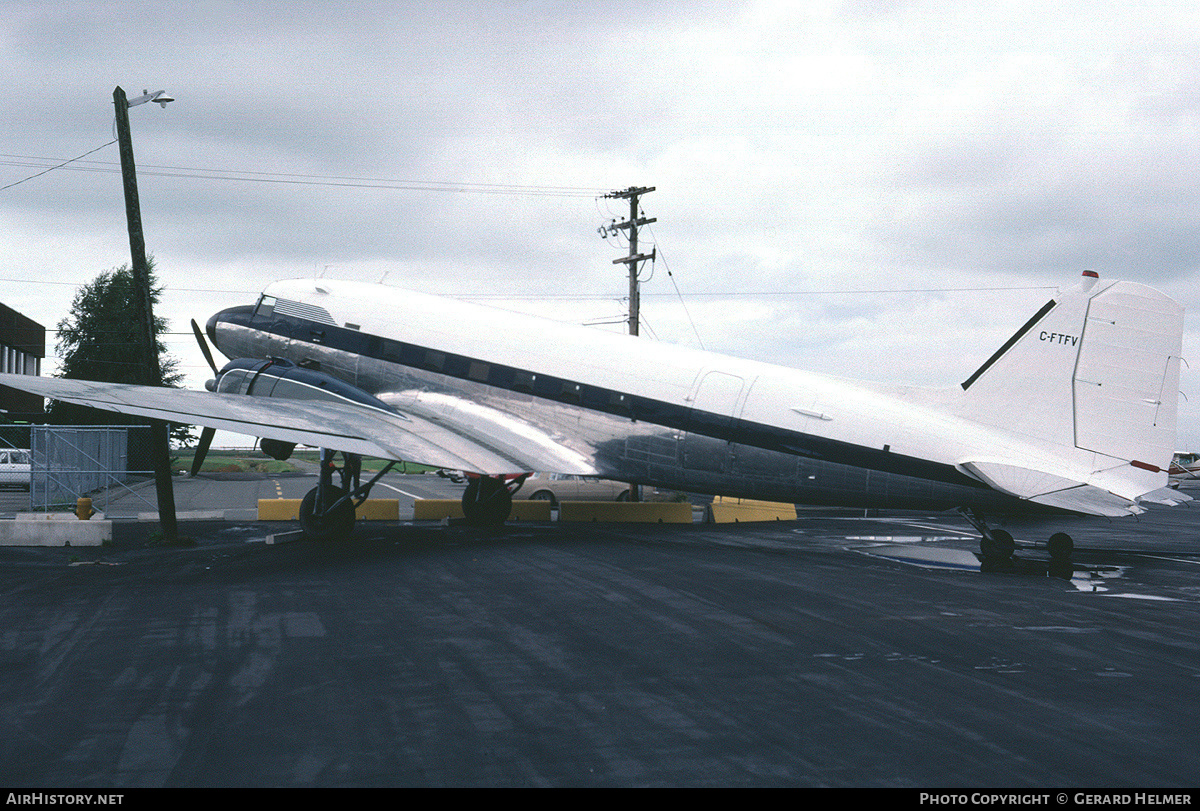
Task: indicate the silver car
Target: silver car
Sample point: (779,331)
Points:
(556,487)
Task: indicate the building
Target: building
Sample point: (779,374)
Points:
(22,348)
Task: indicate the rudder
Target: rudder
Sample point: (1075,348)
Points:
(1096,368)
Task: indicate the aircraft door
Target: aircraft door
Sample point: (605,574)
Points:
(706,445)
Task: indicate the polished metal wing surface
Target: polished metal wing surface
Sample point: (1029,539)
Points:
(445,439)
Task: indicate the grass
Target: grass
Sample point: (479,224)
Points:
(254,461)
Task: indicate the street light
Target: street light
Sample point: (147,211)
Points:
(159,97)
(143,312)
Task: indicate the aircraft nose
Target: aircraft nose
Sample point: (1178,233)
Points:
(230,315)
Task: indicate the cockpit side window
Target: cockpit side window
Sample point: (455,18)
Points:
(265,308)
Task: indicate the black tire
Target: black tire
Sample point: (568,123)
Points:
(336,525)
(544,495)
(999,547)
(486,502)
(1061,546)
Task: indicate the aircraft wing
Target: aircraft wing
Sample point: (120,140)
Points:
(441,434)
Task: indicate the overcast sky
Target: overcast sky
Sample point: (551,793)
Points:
(883,190)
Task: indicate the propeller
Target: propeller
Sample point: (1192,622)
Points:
(206,438)
(204,347)
(207,434)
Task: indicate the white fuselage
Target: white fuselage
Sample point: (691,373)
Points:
(624,407)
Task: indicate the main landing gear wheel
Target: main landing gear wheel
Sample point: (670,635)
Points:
(486,502)
(326,525)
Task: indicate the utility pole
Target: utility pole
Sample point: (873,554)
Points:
(143,312)
(633,193)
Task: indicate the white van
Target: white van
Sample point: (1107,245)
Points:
(14,468)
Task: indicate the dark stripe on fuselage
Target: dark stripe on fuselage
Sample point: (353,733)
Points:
(598,398)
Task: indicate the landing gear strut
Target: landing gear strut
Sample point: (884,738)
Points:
(327,511)
(997,545)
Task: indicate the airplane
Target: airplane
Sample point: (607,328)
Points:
(1075,413)
(1184,467)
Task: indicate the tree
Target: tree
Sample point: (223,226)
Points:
(100,340)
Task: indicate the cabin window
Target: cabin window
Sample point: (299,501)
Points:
(391,351)
(436,361)
(479,371)
(570,392)
(523,382)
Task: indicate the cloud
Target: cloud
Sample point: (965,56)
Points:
(819,146)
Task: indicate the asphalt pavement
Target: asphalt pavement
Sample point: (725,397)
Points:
(836,650)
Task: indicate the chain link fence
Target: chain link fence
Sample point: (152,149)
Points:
(72,461)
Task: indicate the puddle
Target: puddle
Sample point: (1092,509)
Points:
(912,550)
(936,557)
(908,538)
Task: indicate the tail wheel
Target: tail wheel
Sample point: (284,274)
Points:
(1061,546)
(997,545)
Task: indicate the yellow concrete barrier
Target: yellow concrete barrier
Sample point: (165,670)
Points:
(642,512)
(524,510)
(735,510)
(288,509)
(435,509)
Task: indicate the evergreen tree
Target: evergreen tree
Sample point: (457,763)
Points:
(100,340)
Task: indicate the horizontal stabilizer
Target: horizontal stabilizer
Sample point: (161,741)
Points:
(1168,496)
(1091,501)
(1018,481)
(1051,490)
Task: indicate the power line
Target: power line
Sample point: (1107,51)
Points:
(598,296)
(57,166)
(296,178)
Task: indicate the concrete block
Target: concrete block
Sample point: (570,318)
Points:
(433,509)
(525,510)
(736,510)
(642,512)
(288,509)
(47,531)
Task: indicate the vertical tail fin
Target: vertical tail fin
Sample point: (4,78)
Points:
(1097,368)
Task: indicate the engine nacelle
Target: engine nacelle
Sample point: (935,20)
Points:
(275,377)
(277,449)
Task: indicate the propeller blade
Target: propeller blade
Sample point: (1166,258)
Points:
(206,438)
(204,347)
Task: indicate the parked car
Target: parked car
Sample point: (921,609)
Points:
(556,487)
(14,468)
